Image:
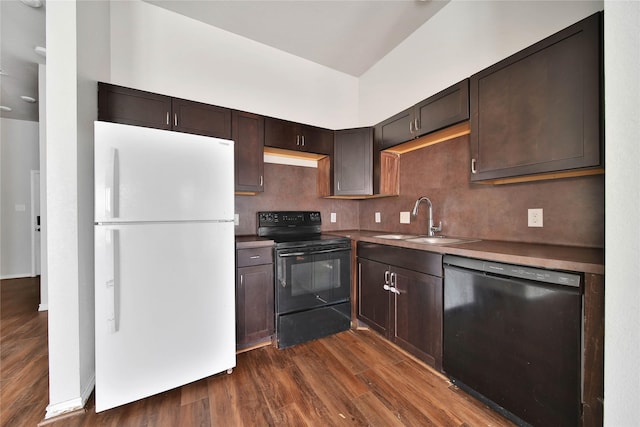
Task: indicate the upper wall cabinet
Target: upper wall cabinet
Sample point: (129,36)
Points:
(201,119)
(353,162)
(139,108)
(539,111)
(247,131)
(295,136)
(133,107)
(443,109)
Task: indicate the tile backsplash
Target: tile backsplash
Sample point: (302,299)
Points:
(573,207)
(293,188)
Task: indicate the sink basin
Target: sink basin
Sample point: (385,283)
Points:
(435,240)
(396,236)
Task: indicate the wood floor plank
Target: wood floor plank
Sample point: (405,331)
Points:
(392,395)
(362,352)
(376,412)
(330,390)
(195,414)
(236,400)
(194,392)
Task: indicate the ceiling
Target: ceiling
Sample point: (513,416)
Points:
(347,36)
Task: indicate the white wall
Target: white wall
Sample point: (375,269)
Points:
(463,38)
(622,231)
(19,155)
(160,51)
(77,56)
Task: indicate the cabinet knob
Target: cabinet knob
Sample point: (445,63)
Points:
(473,166)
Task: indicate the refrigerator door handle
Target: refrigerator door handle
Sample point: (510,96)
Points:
(111,282)
(111,182)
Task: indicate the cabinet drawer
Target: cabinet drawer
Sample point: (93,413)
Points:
(410,259)
(255,256)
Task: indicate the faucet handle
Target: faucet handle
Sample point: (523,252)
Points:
(437,229)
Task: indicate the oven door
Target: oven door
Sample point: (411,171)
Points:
(312,277)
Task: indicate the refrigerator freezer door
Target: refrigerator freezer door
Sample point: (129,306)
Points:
(165,307)
(144,174)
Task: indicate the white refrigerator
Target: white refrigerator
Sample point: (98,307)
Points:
(164,261)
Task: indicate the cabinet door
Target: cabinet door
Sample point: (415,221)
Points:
(281,134)
(417,311)
(248,135)
(373,299)
(395,130)
(201,119)
(443,109)
(540,110)
(353,162)
(133,107)
(254,304)
(316,140)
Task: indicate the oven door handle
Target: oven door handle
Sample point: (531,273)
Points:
(325,251)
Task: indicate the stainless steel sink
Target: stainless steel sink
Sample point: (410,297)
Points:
(438,240)
(396,236)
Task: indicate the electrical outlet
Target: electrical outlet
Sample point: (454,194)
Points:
(535,217)
(333,217)
(405,218)
(377,216)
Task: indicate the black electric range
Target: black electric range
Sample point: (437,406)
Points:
(312,276)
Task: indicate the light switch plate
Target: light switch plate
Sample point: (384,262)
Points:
(333,217)
(377,217)
(405,218)
(236,219)
(534,217)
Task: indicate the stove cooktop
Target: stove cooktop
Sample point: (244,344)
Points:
(295,228)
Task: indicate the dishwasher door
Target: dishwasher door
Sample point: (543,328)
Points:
(515,343)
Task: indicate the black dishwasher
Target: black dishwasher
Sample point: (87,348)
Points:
(512,337)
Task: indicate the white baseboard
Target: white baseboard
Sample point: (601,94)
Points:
(16,276)
(72,404)
(43,307)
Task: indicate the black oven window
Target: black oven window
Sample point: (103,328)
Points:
(309,276)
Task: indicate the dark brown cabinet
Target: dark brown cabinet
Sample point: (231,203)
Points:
(400,296)
(441,110)
(247,131)
(353,162)
(140,108)
(255,311)
(295,136)
(133,107)
(540,110)
(201,119)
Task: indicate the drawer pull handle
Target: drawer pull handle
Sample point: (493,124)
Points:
(255,257)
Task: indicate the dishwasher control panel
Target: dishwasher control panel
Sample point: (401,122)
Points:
(517,271)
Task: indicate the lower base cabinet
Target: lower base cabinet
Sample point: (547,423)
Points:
(400,297)
(254,297)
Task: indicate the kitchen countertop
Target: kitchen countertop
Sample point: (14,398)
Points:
(246,242)
(569,258)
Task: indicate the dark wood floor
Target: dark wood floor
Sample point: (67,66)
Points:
(353,378)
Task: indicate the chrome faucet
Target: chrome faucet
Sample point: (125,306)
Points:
(432,229)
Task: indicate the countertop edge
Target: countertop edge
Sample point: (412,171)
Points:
(250,242)
(568,258)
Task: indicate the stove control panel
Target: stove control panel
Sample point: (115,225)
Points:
(289,218)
